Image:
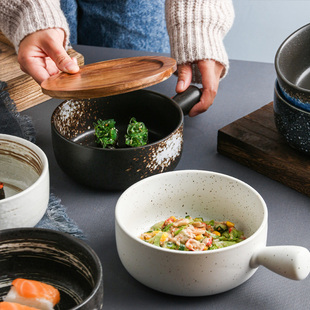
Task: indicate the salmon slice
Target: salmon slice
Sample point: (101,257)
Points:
(35,289)
(14,306)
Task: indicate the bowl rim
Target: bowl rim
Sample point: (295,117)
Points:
(278,93)
(260,229)
(124,149)
(71,238)
(277,56)
(45,171)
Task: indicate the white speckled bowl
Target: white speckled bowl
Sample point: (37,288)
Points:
(212,196)
(25,174)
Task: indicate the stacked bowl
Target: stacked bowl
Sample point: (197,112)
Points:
(292,89)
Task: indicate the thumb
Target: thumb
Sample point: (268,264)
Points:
(63,60)
(184,77)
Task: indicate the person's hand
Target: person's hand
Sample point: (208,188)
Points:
(42,54)
(210,72)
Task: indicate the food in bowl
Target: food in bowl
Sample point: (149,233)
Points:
(137,133)
(32,293)
(5,305)
(193,234)
(107,134)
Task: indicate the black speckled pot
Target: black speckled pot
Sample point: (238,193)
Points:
(55,258)
(293,67)
(292,123)
(116,169)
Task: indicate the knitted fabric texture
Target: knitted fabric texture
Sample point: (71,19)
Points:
(197,28)
(18,18)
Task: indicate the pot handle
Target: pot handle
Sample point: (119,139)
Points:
(187,99)
(292,262)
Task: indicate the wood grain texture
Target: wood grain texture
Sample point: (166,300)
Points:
(110,77)
(22,88)
(5,40)
(255,142)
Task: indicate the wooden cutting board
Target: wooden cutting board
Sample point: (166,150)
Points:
(255,142)
(22,88)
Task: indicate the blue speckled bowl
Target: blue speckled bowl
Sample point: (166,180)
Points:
(292,122)
(294,101)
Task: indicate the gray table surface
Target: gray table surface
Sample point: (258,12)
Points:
(248,86)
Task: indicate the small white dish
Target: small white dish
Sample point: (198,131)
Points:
(25,174)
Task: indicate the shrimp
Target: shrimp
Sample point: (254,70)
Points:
(194,245)
(207,241)
(181,222)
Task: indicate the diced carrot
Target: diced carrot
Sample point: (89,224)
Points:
(199,237)
(230,224)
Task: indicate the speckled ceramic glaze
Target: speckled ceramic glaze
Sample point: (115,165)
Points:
(292,123)
(294,101)
(212,196)
(115,169)
(25,174)
(292,67)
(55,258)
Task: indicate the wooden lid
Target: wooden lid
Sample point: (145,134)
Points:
(110,77)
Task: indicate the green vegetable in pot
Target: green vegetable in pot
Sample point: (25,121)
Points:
(137,133)
(106,133)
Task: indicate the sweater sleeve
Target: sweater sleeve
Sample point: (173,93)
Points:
(196,30)
(19,18)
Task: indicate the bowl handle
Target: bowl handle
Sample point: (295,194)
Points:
(292,262)
(187,99)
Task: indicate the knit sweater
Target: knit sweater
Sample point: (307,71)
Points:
(196,28)
(18,18)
